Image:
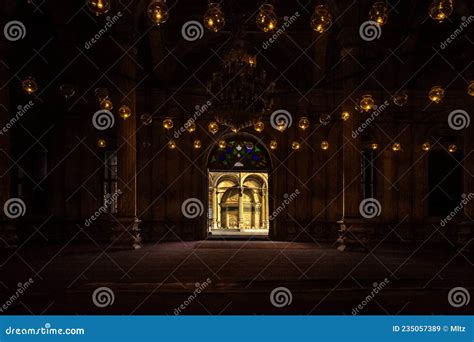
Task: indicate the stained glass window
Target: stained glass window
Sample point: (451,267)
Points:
(238,154)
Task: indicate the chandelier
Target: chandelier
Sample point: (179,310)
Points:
(240,91)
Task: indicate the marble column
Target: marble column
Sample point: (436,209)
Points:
(214,208)
(241,209)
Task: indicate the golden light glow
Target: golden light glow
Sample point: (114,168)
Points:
(190,126)
(266,18)
(295,145)
(374,146)
(324,145)
(106,104)
(29,85)
(470,88)
(101,143)
(98,7)
(168,123)
(396,147)
(171,144)
(234,130)
(303,123)
(436,94)
(345,115)
(259,126)
(321,19)
(214,18)
(379,13)
(426,146)
(125,112)
(440,10)
(273,144)
(197,144)
(367,103)
(158,11)
(222,144)
(213,127)
(452,148)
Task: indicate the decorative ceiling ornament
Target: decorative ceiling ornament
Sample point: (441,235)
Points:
(321,20)
(379,13)
(158,11)
(214,18)
(440,10)
(266,18)
(240,89)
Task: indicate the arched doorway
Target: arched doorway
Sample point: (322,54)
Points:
(238,187)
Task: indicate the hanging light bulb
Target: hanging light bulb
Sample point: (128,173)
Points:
(190,126)
(396,147)
(400,98)
(266,18)
(379,13)
(197,144)
(67,90)
(345,115)
(214,18)
(426,146)
(295,145)
(213,127)
(168,123)
(441,9)
(259,126)
(452,148)
(158,11)
(303,123)
(273,144)
(171,144)
(102,143)
(436,94)
(321,19)
(98,7)
(29,85)
(222,144)
(324,145)
(374,146)
(106,104)
(470,88)
(367,103)
(125,112)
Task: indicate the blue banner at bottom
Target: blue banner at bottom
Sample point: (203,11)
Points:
(237,328)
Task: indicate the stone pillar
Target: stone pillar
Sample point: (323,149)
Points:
(219,209)
(241,208)
(465,231)
(214,208)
